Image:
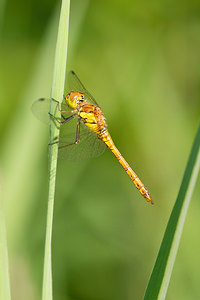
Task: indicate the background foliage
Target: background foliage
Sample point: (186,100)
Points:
(140,60)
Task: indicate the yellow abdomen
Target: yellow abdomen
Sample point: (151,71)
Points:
(106,138)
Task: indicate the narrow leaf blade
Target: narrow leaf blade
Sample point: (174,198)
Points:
(56,93)
(161,274)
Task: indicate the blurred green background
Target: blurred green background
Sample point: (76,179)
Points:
(140,60)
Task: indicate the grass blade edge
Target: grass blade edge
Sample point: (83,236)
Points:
(56,93)
(160,277)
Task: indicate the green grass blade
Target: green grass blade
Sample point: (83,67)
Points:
(4,266)
(56,93)
(4,273)
(160,277)
(2,13)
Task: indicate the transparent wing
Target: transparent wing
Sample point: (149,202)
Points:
(40,108)
(74,84)
(88,147)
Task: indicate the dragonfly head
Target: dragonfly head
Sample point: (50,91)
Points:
(74,98)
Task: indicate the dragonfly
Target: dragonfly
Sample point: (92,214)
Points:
(81,115)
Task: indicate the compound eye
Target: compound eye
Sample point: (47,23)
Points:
(68,96)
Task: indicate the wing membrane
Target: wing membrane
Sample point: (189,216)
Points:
(75,85)
(40,108)
(88,147)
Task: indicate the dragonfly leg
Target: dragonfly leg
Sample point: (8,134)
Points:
(56,141)
(78,132)
(61,123)
(65,119)
(59,107)
(55,100)
(77,137)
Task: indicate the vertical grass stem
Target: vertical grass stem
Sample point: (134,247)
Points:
(56,93)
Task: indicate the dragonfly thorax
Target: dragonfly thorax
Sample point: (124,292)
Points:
(92,117)
(73,99)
